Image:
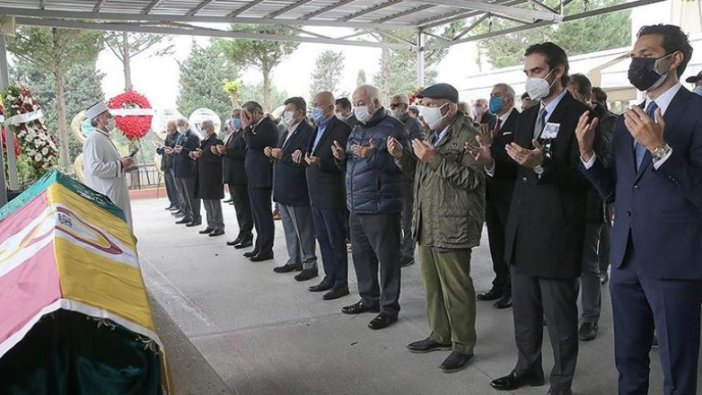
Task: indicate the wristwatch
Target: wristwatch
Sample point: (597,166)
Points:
(660,152)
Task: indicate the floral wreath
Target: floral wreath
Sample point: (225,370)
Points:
(413,97)
(23,116)
(15,142)
(133,114)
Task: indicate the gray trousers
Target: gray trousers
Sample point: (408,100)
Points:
(213,208)
(376,245)
(556,300)
(190,203)
(590,287)
(408,243)
(299,235)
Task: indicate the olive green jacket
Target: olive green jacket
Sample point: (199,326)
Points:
(449,192)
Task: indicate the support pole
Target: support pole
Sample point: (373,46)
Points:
(4,82)
(420,58)
(3,77)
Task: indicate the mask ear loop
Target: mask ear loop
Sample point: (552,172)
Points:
(661,58)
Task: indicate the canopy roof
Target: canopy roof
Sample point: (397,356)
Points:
(374,20)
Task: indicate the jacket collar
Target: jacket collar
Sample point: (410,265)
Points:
(376,118)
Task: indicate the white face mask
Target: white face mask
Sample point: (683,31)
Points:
(362,113)
(182,129)
(288,118)
(538,88)
(397,113)
(111,124)
(432,115)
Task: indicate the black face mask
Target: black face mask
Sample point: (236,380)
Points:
(643,75)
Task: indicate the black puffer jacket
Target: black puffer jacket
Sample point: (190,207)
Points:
(373,184)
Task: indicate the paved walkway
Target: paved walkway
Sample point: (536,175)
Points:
(233,326)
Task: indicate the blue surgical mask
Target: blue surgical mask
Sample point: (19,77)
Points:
(317,114)
(235,123)
(495,104)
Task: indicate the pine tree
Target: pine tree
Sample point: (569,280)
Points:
(328,69)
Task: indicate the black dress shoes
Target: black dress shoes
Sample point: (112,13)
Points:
(287,268)
(260,257)
(323,286)
(559,392)
(183,221)
(504,302)
(206,231)
(455,362)
(587,331)
(250,254)
(336,293)
(382,321)
(234,242)
(404,262)
(358,308)
(244,244)
(427,345)
(516,380)
(492,294)
(217,233)
(306,274)
(194,223)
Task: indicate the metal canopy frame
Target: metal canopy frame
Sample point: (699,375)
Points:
(373,20)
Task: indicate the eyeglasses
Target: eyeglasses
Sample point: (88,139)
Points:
(395,105)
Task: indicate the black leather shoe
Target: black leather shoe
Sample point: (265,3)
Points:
(559,392)
(194,223)
(217,233)
(184,221)
(587,331)
(234,242)
(358,308)
(516,380)
(382,321)
(228,201)
(336,293)
(177,212)
(404,262)
(244,244)
(262,257)
(206,231)
(306,274)
(287,268)
(323,286)
(179,215)
(250,254)
(492,294)
(504,302)
(455,362)
(427,345)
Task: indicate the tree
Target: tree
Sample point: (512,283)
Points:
(328,69)
(577,37)
(255,92)
(398,67)
(361,77)
(126,46)
(263,55)
(55,51)
(202,74)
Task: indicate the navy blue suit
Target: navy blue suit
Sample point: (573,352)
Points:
(656,251)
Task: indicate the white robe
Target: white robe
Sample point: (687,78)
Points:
(103,171)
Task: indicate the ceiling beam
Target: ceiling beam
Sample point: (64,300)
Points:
(42,4)
(497,9)
(369,10)
(325,9)
(19,12)
(150,6)
(198,7)
(96,8)
(453,16)
(287,8)
(472,26)
(247,6)
(544,6)
(404,13)
(197,31)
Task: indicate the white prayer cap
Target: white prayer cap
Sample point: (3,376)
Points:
(95,110)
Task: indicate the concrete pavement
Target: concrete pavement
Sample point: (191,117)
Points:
(231,326)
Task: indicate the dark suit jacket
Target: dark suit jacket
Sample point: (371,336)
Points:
(233,163)
(500,187)
(289,181)
(167,160)
(209,171)
(259,168)
(326,182)
(546,222)
(183,166)
(352,120)
(658,211)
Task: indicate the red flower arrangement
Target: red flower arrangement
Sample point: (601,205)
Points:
(18,151)
(132,113)
(413,97)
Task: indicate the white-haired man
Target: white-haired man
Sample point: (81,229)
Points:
(102,165)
